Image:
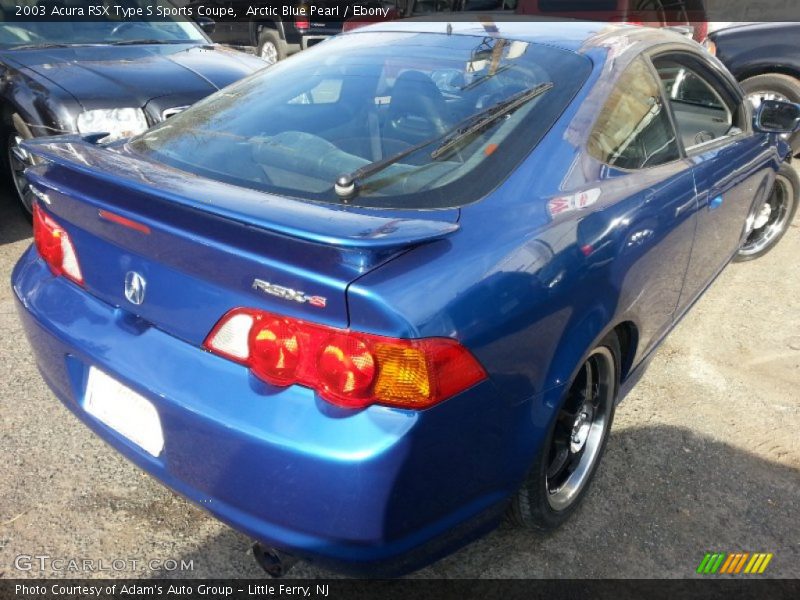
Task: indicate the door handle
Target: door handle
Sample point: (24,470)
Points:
(686,206)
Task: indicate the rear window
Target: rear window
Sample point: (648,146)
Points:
(364,98)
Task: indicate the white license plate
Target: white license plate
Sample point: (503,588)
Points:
(123,410)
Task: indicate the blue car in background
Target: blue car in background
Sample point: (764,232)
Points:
(118,75)
(364,303)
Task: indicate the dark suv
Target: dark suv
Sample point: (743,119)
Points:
(765,58)
(275,37)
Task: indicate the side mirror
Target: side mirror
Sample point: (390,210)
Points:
(775,116)
(206,24)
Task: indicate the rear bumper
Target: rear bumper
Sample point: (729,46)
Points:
(304,42)
(357,490)
(301,39)
(312,40)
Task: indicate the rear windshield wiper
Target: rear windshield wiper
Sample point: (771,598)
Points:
(483,119)
(39,46)
(347,185)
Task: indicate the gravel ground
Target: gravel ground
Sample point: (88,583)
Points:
(704,455)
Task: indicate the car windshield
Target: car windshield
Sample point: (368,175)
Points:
(366,99)
(20,29)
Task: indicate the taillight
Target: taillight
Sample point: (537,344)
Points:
(275,350)
(55,246)
(301,20)
(345,367)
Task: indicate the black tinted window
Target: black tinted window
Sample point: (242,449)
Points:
(633,130)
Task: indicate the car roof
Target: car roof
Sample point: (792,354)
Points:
(572,35)
(766,27)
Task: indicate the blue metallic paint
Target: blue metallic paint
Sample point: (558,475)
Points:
(225,426)
(528,294)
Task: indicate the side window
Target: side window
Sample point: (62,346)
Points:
(633,130)
(701,114)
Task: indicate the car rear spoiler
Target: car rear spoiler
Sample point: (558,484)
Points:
(341,226)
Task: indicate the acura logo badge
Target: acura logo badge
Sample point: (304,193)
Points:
(134,287)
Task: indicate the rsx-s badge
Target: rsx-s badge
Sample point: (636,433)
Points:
(288,293)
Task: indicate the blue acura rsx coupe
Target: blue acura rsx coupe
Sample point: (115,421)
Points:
(364,303)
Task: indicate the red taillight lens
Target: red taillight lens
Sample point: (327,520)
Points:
(346,370)
(301,20)
(274,350)
(345,367)
(55,246)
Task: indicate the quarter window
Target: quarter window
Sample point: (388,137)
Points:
(634,130)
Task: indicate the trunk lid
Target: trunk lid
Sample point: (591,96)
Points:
(203,247)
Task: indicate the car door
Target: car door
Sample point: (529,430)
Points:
(730,164)
(635,139)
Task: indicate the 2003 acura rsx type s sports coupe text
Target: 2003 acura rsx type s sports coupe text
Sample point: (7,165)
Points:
(363,303)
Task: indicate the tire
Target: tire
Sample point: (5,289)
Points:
(271,47)
(778,87)
(779,211)
(542,504)
(13,164)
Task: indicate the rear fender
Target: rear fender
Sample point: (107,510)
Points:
(578,340)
